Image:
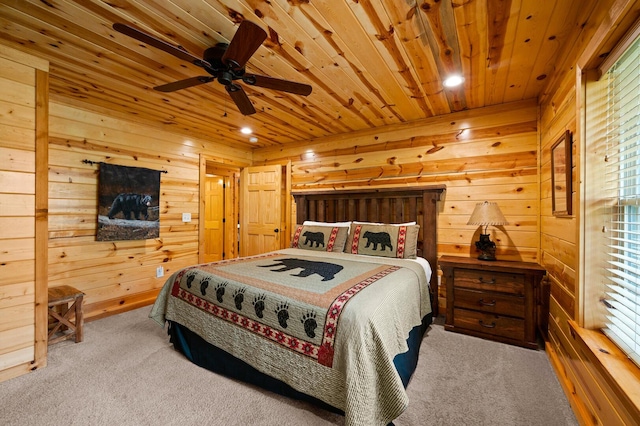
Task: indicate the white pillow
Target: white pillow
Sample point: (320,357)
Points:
(392,224)
(338,224)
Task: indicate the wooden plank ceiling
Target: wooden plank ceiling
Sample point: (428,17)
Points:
(370,63)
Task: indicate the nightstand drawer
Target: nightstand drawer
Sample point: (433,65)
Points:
(511,328)
(489,281)
(489,302)
(499,300)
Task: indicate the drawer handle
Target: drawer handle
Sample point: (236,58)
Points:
(492,325)
(483,303)
(482,281)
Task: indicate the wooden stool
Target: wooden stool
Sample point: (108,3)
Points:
(61,297)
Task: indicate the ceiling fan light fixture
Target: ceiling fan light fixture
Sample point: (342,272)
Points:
(453,81)
(224,62)
(225,78)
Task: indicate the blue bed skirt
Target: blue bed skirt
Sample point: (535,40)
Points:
(205,355)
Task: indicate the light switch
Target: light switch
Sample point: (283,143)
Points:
(186,217)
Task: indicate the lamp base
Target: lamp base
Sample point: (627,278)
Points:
(485,256)
(487,247)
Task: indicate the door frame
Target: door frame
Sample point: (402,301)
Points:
(233,172)
(287,200)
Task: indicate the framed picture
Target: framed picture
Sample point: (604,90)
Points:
(128,203)
(561,175)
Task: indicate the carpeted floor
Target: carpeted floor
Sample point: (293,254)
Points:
(127,373)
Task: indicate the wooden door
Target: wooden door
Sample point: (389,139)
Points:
(261,210)
(214,218)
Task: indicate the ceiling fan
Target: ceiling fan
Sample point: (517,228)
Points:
(224,62)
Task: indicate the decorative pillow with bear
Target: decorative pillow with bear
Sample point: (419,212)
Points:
(320,238)
(383,240)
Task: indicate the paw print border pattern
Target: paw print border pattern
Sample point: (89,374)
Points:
(326,351)
(322,353)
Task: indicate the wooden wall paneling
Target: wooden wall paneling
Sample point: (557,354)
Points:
(557,254)
(599,365)
(560,351)
(16,350)
(120,275)
(558,235)
(16,115)
(492,155)
(588,390)
(596,399)
(139,66)
(22,210)
(371,63)
(512,118)
(74,127)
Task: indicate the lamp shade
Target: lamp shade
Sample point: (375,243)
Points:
(487,213)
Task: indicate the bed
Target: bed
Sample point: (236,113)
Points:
(336,319)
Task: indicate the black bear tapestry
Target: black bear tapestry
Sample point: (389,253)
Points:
(128,203)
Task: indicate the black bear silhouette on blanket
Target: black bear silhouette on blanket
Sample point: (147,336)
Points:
(309,267)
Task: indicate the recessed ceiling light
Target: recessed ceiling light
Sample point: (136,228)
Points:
(253,139)
(453,81)
(246,131)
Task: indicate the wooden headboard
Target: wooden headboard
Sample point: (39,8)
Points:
(392,205)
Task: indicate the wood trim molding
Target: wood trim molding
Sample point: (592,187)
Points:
(41,218)
(201,207)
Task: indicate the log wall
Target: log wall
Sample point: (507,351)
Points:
(595,397)
(499,153)
(487,154)
(121,275)
(23,84)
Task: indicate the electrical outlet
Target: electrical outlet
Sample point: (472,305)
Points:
(186,217)
(159,272)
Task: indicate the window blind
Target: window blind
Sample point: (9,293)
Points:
(622,211)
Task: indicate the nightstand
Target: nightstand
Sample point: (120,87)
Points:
(498,300)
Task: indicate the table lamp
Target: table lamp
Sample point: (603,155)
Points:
(485,214)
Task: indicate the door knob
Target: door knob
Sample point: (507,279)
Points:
(276,230)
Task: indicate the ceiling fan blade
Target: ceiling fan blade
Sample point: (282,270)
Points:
(277,84)
(183,84)
(157,43)
(241,99)
(245,42)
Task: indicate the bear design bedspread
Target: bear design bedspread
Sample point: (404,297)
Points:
(328,324)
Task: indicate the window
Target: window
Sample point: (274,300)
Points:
(619,197)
